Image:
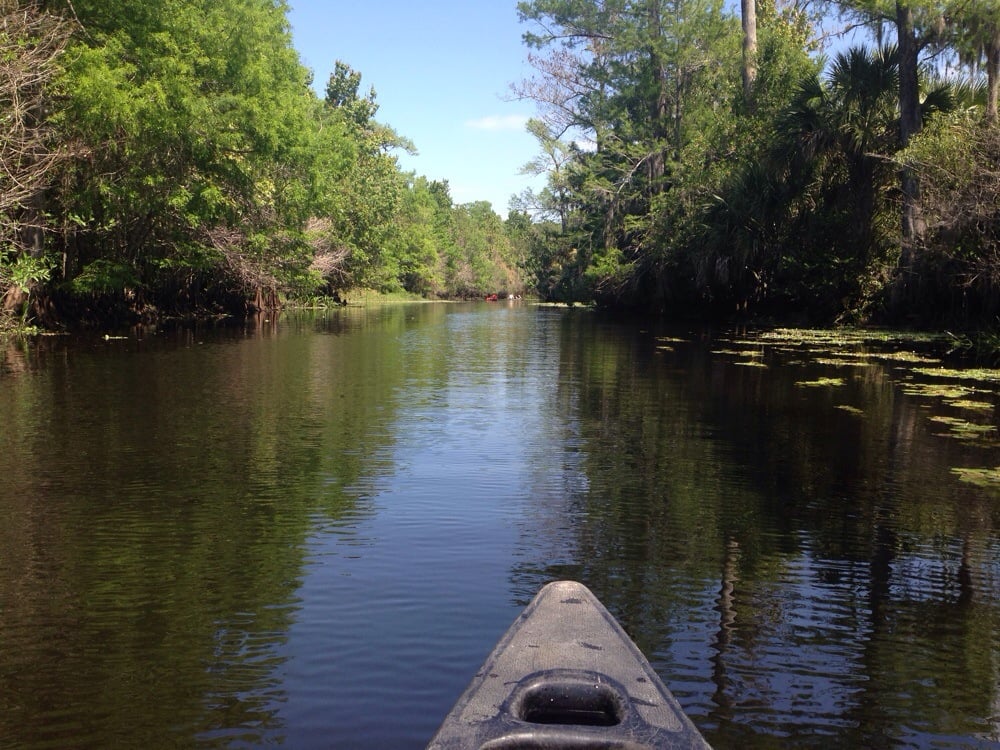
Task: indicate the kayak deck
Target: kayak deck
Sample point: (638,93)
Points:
(565,675)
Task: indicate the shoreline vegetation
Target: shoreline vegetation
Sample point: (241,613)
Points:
(707,163)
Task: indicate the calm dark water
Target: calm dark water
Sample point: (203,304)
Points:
(311,531)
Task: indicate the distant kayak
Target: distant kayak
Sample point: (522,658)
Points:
(565,675)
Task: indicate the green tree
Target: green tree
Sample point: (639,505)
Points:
(31,152)
(554,160)
(196,122)
(639,82)
(958,274)
(852,119)
(342,94)
(917,23)
(365,198)
(414,246)
(810,223)
(973,31)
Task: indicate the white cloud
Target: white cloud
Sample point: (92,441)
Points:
(498,122)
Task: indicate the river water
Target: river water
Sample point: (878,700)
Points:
(310,531)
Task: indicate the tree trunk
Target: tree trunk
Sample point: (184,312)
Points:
(659,105)
(749,12)
(993,75)
(909,93)
(909,125)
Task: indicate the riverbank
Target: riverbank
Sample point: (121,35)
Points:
(23,320)
(982,345)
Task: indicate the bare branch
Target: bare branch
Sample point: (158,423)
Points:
(31,42)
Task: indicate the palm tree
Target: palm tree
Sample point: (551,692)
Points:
(805,222)
(848,125)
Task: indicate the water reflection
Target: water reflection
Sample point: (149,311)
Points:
(311,530)
(157,497)
(795,569)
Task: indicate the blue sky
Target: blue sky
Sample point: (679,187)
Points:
(441,71)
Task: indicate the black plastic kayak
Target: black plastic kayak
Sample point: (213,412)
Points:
(565,675)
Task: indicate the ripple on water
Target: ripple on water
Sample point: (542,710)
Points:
(315,540)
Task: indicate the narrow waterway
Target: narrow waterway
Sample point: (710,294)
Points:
(310,531)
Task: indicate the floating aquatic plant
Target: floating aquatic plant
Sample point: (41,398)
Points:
(938,390)
(748,342)
(805,336)
(971,405)
(907,357)
(975,373)
(821,383)
(842,362)
(841,337)
(851,409)
(989,478)
(962,429)
(750,363)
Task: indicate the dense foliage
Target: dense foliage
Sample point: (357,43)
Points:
(173,158)
(702,165)
(704,158)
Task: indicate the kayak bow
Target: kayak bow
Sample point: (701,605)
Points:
(565,675)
